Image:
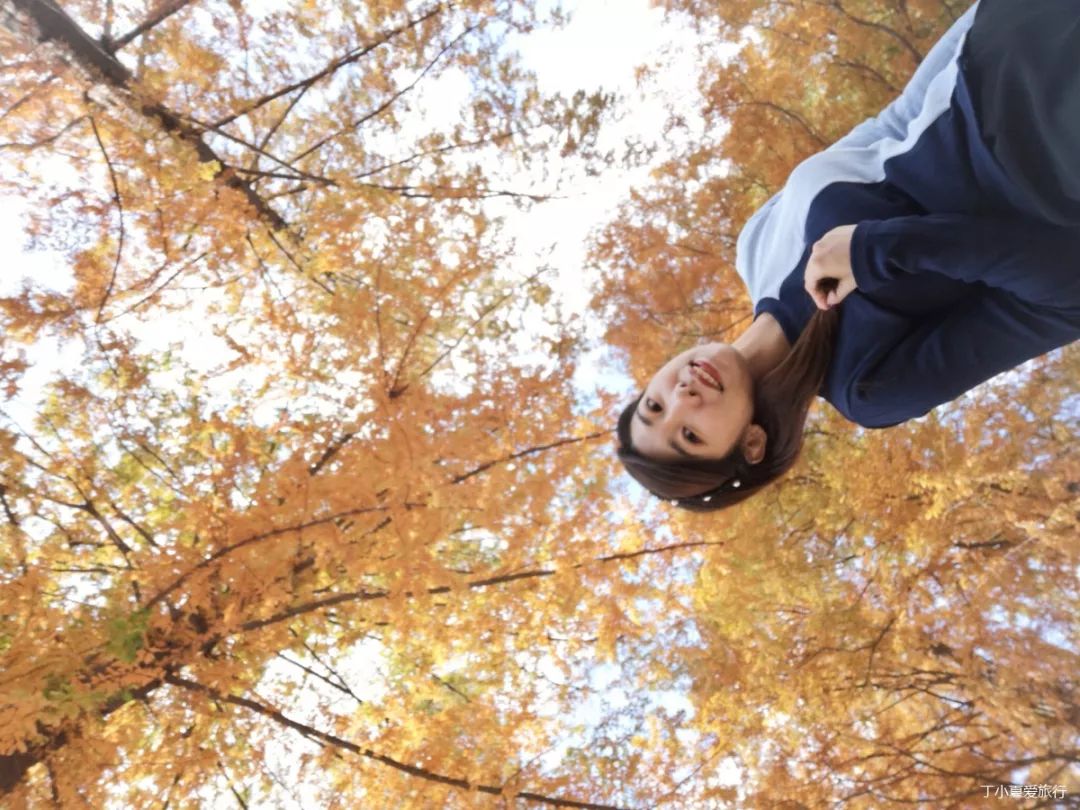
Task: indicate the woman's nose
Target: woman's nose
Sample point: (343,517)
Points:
(686,389)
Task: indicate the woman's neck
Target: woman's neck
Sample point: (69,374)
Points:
(763,345)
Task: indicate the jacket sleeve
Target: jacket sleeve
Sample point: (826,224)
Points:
(892,122)
(1038,264)
(1025,302)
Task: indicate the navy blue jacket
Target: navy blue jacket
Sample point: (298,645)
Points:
(959,277)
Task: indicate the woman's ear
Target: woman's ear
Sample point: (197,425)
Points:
(753,443)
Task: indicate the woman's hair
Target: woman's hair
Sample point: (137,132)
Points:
(781,403)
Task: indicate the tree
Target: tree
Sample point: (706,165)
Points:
(895,623)
(163,544)
(364,551)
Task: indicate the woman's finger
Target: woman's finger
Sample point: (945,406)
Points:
(810,277)
(818,284)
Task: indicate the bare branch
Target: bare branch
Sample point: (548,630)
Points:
(295,263)
(396,391)
(232,787)
(330,452)
(120,207)
(321,677)
(28,96)
(501,136)
(878,77)
(457,479)
(270,134)
(54,23)
(386,104)
(502,579)
(330,69)
(798,119)
(421,773)
(226,550)
(412,193)
(44,141)
(123,516)
(451,687)
(915,53)
(151,295)
(165,10)
(14,521)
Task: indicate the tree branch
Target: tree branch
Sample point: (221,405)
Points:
(217,555)
(120,207)
(396,391)
(798,119)
(386,104)
(166,10)
(915,54)
(330,69)
(421,773)
(502,579)
(843,63)
(277,124)
(28,96)
(14,521)
(457,479)
(54,23)
(26,147)
(501,136)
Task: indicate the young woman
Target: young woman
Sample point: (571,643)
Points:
(949,227)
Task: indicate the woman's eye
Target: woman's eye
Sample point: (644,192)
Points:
(652,405)
(690,436)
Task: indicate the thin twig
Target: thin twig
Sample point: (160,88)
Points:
(164,11)
(317,735)
(120,206)
(329,70)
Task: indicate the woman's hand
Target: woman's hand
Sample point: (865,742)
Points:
(828,276)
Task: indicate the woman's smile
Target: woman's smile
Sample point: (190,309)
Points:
(706,372)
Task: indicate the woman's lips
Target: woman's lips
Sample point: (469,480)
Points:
(708,373)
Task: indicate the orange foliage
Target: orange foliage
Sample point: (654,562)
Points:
(363,550)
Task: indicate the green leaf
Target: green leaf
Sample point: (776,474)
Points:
(127,633)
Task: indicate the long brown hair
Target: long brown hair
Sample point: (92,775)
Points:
(781,403)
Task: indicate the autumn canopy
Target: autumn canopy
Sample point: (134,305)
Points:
(369,550)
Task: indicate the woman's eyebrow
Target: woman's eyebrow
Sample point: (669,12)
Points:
(671,442)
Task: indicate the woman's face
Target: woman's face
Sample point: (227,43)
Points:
(697,406)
